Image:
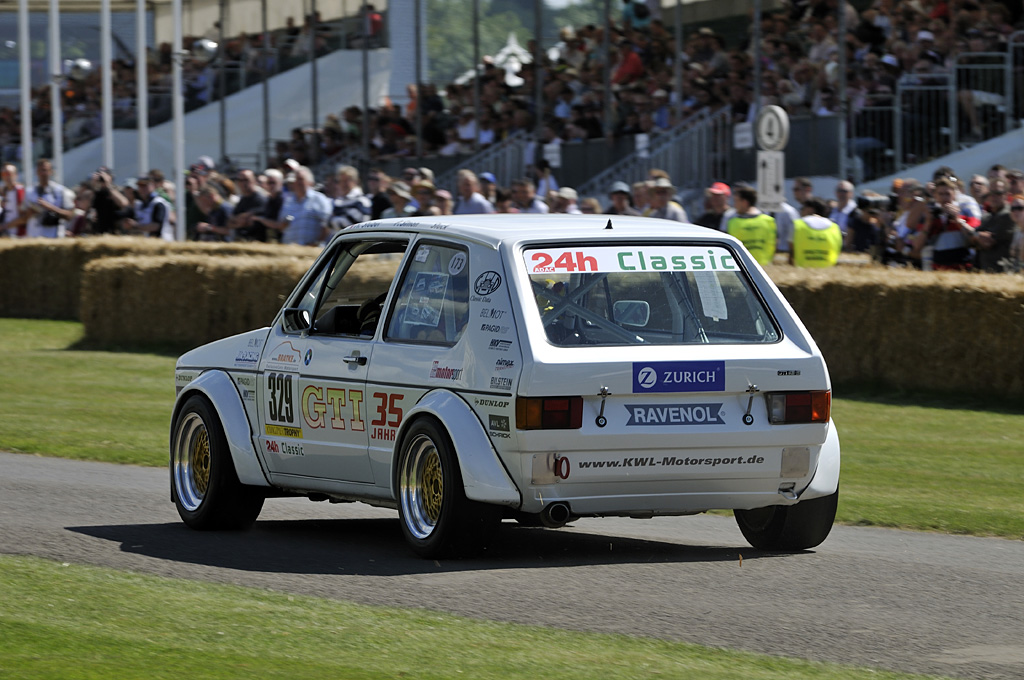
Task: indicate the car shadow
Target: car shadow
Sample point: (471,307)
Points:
(376,547)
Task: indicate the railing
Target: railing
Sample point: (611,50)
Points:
(934,114)
(694,153)
(506,160)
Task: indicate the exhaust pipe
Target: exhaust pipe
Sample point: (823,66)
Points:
(555,515)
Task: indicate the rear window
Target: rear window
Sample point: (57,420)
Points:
(656,294)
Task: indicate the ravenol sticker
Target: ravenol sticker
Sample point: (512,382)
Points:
(646,259)
(675,414)
(679,376)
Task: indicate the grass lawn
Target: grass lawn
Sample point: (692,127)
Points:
(62,621)
(929,462)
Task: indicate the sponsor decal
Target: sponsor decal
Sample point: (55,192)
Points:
(445,373)
(669,461)
(284,356)
(675,414)
(247,357)
(492,313)
(493,403)
(282,431)
(499,345)
(785,373)
(610,259)
(501,383)
(487,283)
(183,379)
(287,448)
(679,376)
(499,423)
(422,253)
(504,364)
(493,328)
(246,386)
(256,342)
(309,356)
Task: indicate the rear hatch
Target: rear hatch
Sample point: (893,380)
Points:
(670,363)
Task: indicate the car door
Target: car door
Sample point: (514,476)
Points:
(313,375)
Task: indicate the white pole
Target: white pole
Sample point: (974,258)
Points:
(178,111)
(56,111)
(107,89)
(141,86)
(25,84)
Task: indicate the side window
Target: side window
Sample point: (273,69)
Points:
(348,296)
(432,304)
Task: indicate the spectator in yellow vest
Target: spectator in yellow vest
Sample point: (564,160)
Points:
(817,240)
(751,226)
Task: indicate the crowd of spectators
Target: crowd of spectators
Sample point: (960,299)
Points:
(248,58)
(946,223)
(799,71)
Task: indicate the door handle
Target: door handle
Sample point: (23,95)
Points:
(355,359)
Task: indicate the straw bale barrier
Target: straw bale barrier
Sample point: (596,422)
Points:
(193,299)
(42,278)
(921,330)
(183,299)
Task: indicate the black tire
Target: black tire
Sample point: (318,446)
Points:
(789,527)
(207,492)
(437,519)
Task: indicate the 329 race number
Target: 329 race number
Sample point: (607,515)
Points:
(281,402)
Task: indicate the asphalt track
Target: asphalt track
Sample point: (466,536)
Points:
(926,603)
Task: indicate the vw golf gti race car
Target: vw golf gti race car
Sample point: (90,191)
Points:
(466,369)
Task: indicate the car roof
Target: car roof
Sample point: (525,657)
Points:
(495,230)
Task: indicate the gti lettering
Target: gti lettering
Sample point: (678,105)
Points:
(316,399)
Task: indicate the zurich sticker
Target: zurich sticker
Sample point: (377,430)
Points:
(679,376)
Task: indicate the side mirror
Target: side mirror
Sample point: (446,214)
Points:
(296,319)
(632,312)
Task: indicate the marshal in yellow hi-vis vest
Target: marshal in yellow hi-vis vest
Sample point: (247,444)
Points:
(758,234)
(817,242)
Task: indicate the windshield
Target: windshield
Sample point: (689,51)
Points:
(656,294)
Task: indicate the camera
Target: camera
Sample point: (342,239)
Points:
(888,203)
(935,209)
(49,219)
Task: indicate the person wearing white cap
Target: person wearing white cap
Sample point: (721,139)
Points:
(662,205)
(565,202)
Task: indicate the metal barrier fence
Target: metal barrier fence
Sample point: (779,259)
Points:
(934,114)
(506,159)
(694,153)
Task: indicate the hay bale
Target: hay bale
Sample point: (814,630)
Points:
(183,299)
(41,278)
(920,330)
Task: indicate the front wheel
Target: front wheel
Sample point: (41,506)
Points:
(436,517)
(207,492)
(789,527)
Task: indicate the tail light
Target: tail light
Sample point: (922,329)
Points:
(799,407)
(549,413)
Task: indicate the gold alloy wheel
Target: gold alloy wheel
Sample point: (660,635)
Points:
(421,486)
(191,461)
(433,487)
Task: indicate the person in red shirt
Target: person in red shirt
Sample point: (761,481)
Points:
(629,67)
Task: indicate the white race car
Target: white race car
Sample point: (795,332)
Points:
(543,368)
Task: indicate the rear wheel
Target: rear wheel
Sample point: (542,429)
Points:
(789,527)
(437,519)
(207,492)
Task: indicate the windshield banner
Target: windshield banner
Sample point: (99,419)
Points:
(629,259)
